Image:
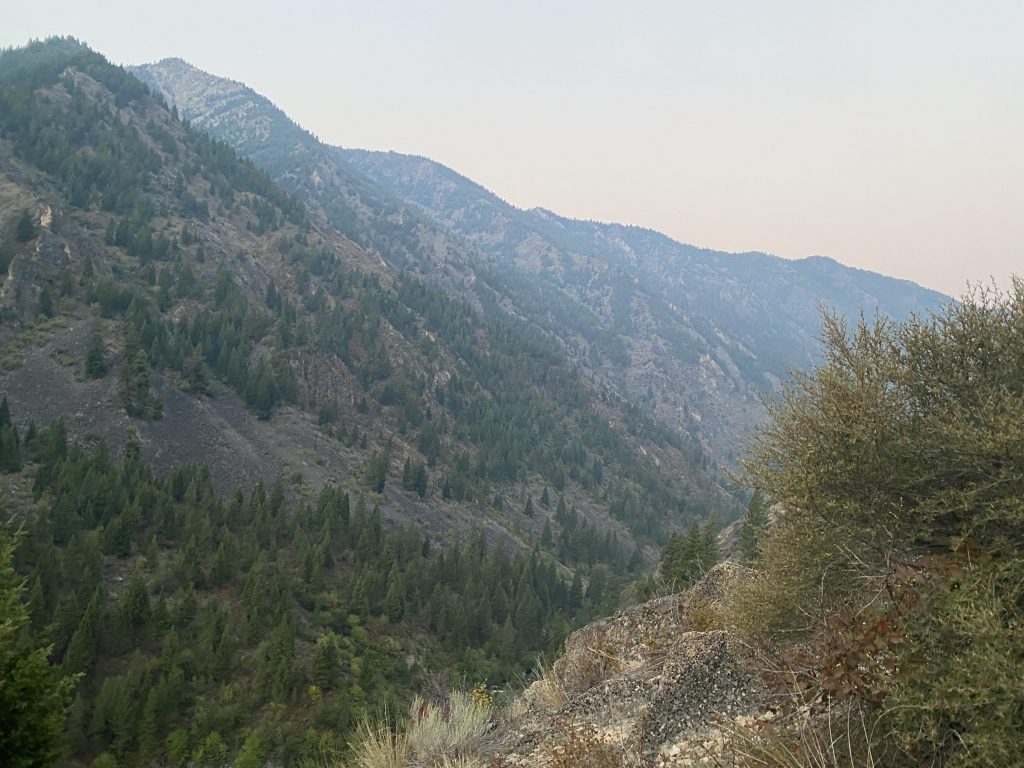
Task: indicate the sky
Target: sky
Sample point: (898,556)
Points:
(887,135)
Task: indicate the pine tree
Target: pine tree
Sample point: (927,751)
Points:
(135,605)
(25,229)
(10,443)
(753,524)
(547,538)
(561,515)
(325,661)
(46,302)
(82,648)
(136,394)
(394,601)
(407,475)
(33,697)
(419,479)
(252,753)
(95,364)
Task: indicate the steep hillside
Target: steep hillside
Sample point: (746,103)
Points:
(705,330)
(691,335)
(266,481)
(343,368)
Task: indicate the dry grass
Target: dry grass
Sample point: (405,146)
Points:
(839,736)
(448,734)
(703,615)
(456,729)
(376,746)
(463,762)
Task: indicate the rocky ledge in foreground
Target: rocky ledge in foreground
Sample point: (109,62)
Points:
(652,685)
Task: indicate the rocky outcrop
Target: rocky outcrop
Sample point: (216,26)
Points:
(654,685)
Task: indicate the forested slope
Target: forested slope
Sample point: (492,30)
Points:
(265,481)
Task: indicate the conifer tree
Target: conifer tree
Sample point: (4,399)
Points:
(33,696)
(95,363)
(46,302)
(10,443)
(252,753)
(24,229)
(82,648)
(753,524)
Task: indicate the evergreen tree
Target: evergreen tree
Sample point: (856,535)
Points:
(46,302)
(252,753)
(377,471)
(325,661)
(82,648)
(547,538)
(561,514)
(419,479)
(95,362)
(753,524)
(24,229)
(136,394)
(134,605)
(10,442)
(33,697)
(394,601)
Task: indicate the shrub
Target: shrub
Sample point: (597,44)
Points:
(895,574)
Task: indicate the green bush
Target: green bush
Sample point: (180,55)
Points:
(896,568)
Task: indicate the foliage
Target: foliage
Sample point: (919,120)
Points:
(754,523)
(33,695)
(899,558)
(10,440)
(24,229)
(136,393)
(688,556)
(95,358)
(202,632)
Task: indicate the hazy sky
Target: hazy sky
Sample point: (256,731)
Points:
(888,135)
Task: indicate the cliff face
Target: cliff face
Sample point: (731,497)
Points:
(653,685)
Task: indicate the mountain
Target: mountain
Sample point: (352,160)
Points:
(268,480)
(691,335)
(705,330)
(284,441)
(332,342)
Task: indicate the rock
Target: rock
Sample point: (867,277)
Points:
(644,684)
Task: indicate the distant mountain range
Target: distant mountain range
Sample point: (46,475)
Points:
(693,335)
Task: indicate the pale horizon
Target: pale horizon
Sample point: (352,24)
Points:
(886,138)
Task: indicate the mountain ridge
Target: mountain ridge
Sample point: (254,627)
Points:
(696,362)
